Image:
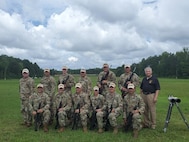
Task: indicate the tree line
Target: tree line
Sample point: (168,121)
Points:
(167,65)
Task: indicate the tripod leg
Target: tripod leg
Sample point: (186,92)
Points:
(168,116)
(182,115)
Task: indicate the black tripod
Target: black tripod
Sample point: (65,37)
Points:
(173,101)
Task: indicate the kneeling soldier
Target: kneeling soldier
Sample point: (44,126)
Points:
(61,107)
(97,104)
(133,106)
(39,103)
(81,106)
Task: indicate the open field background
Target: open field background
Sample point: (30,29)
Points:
(12,131)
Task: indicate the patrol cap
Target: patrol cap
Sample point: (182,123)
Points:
(105,65)
(130,86)
(61,86)
(64,68)
(78,85)
(46,70)
(112,85)
(40,85)
(25,70)
(82,70)
(96,88)
(127,66)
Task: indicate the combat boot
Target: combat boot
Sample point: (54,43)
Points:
(45,128)
(135,133)
(61,129)
(84,129)
(115,131)
(100,130)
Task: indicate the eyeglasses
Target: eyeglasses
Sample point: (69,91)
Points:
(64,69)
(95,90)
(111,87)
(105,67)
(61,88)
(82,72)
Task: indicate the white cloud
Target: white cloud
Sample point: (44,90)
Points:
(88,33)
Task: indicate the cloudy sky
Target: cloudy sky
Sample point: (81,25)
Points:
(87,33)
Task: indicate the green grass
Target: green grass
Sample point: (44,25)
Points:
(12,131)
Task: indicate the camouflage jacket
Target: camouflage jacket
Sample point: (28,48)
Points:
(86,84)
(97,101)
(81,99)
(64,99)
(39,99)
(132,101)
(26,87)
(124,77)
(115,101)
(68,80)
(49,84)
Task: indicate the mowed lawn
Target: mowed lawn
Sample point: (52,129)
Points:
(177,131)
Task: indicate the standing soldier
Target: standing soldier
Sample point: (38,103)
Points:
(149,91)
(126,78)
(104,79)
(114,105)
(49,86)
(67,80)
(62,106)
(97,104)
(81,105)
(40,103)
(134,106)
(26,88)
(85,81)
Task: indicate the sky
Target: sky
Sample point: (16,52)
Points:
(87,34)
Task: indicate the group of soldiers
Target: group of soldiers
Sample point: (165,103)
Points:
(90,107)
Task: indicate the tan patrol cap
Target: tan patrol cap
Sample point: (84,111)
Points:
(40,85)
(25,70)
(78,85)
(82,70)
(130,86)
(46,70)
(61,86)
(127,66)
(96,88)
(112,85)
(64,67)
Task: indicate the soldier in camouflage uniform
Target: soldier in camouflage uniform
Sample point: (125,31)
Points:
(85,81)
(135,104)
(67,80)
(40,99)
(98,101)
(62,105)
(104,79)
(81,98)
(49,86)
(26,89)
(126,78)
(114,101)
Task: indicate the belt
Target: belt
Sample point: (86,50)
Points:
(147,93)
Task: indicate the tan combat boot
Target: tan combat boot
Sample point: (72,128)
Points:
(115,131)
(61,129)
(84,129)
(135,133)
(100,130)
(45,128)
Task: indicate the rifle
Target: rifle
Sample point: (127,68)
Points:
(93,120)
(76,118)
(56,115)
(64,81)
(107,124)
(38,119)
(102,79)
(126,83)
(129,123)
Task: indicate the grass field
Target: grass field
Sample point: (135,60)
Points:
(12,131)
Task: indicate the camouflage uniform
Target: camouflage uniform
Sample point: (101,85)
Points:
(99,101)
(68,81)
(49,84)
(83,99)
(110,78)
(26,89)
(129,102)
(86,84)
(116,101)
(65,99)
(44,100)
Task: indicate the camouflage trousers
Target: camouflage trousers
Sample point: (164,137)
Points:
(137,121)
(46,116)
(27,116)
(83,116)
(99,117)
(62,118)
